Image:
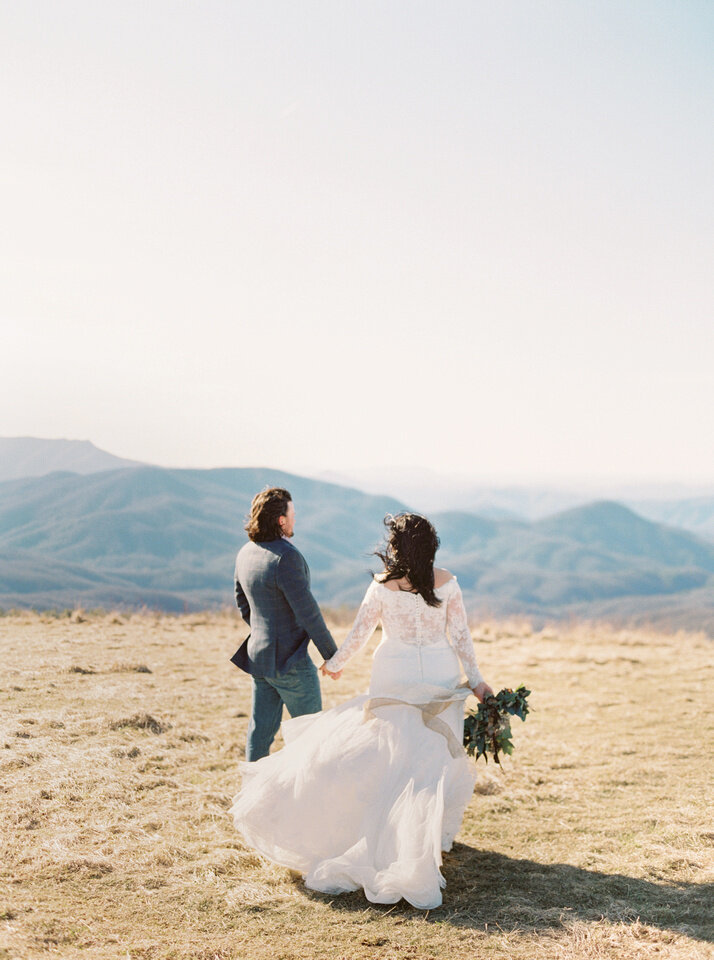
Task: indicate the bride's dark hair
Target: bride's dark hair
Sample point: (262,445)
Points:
(409,552)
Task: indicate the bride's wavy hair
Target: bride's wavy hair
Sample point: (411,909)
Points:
(409,552)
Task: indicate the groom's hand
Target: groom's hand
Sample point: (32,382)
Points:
(327,673)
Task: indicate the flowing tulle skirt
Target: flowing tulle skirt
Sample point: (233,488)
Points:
(367,794)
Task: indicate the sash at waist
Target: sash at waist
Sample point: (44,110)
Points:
(430,711)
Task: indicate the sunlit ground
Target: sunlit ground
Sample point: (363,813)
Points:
(118,758)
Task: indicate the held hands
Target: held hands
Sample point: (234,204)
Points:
(481,691)
(328,673)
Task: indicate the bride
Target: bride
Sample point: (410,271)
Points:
(369,793)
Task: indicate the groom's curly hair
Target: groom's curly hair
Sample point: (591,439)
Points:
(265,510)
(409,552)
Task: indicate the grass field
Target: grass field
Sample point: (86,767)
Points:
(118,758)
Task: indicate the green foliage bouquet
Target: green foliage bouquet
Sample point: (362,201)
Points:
(488,729)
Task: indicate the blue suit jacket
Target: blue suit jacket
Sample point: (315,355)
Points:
(272,582)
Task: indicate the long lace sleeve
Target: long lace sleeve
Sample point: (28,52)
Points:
(362,629)
(460,635)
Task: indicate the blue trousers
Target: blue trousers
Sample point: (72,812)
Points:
(297,688)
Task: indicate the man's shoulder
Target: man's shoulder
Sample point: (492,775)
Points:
(289,552)
(254,555)
(291,563)
(279,548)
(255,546)
(248,549)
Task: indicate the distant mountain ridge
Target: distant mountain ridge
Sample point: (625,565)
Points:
(167,539)
(692,513)
(35,457)
(688,506)
(678,505)
(619,529)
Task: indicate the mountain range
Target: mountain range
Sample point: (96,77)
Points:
(690,506)
(164,538)
(35,457)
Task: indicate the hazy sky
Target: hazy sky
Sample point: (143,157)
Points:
(474,236)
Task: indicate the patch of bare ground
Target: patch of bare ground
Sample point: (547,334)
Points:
(119,743)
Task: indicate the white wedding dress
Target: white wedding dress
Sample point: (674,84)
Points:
(369,793)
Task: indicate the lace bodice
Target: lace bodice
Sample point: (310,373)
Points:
(408,618)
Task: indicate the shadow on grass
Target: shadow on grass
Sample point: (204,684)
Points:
(484,888)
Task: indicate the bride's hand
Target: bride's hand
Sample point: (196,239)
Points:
(482,691)
(328,673)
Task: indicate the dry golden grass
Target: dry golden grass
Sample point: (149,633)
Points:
(118,752)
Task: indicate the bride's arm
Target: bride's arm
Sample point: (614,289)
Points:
(460,638)
(362,629)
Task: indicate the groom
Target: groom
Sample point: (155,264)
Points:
(272,586)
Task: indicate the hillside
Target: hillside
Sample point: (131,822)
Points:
(167,539)
(35,457)
(691,513)
(619,530)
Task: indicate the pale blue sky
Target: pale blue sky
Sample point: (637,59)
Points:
(472,236)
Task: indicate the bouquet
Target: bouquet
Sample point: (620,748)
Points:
(488,729)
